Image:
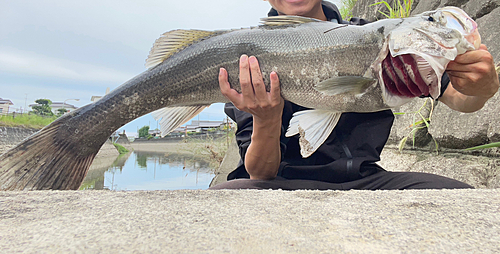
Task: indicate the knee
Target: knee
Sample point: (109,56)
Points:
(431,181)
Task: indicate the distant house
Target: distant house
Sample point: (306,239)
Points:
(204,126)
(154,133)
(95,98)
(4,106)
(198,127)
(58,105)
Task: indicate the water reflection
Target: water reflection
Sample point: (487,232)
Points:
(141,170)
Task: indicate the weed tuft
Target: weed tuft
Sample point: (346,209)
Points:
(121,149)
(26,120)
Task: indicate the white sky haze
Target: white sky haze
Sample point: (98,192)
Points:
(63,50)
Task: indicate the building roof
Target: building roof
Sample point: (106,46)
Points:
(57,105)
(206,124)
(6,101)
(154,131)
(95,98)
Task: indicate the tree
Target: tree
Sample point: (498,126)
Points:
(61,111)
(43,108)
(144,132)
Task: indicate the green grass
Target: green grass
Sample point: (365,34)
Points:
(210,149)
(120,148)
(490,145)
(419,122)
(26,121)
(346,8)
(397,10)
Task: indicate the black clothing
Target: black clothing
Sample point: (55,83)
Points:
(332,13)
(383,180)
(356,142)
(348,155)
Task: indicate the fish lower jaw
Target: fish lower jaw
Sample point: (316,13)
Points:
(407,76)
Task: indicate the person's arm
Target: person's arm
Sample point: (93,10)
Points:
(473,81)
(263,155)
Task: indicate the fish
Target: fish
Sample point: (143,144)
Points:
(327,67)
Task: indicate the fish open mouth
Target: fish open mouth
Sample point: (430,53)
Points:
(407,75)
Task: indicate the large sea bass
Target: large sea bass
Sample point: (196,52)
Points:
(324,66)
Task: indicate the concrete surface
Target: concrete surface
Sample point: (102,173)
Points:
(230,162)
(10,136)
(107,150)
(249,221)
(478,170)
(123,140)
(13,135)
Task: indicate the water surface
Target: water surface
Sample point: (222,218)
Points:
(141,170)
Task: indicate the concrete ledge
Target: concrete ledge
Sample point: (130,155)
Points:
(107,150)
(14,135)
(247,221)
(230,162)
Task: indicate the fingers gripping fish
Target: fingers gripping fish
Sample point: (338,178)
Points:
(324,66)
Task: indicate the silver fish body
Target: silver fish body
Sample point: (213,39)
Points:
(303,56)
(321,65)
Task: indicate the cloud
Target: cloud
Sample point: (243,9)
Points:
(29,63)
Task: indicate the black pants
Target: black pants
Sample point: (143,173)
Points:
(383,180)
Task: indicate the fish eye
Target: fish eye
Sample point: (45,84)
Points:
(431,19)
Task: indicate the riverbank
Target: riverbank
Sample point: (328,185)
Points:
(202,148)
(167,147)
(10,136)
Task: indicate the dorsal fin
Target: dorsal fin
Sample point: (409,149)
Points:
(286,20)
(172,42)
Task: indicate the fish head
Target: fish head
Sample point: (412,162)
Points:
(449,27)
(417,52)
(449,19)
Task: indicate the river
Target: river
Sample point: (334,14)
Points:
(147,170)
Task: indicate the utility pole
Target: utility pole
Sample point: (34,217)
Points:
(25,100)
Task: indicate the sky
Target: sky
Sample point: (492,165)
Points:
(66,50)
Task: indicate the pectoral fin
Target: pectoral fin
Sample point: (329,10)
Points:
(171,118)
(344,84)
(314,127)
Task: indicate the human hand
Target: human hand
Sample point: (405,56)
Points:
(266,107)
(473,73)
(263,156)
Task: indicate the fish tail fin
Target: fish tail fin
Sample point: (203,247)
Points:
(45,160)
